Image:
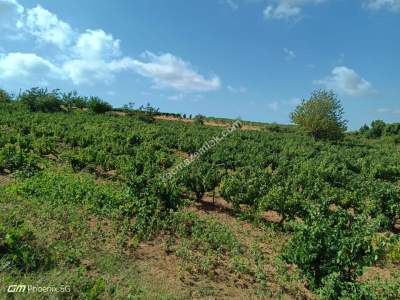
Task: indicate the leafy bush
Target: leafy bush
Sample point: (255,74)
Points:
(41,100)
(377,129)
(199,120)
(5,97)
(245,186)
(200,178)
(321,116)
(62,187)
(14,158)
(332,246)
(19,248)
(98,106)
(72,100)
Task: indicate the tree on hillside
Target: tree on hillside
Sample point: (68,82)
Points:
(98,106)
(199,120)
(4,96)
(41,100)
(377,129)
(321,116)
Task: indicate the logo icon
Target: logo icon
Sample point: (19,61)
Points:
(16,288)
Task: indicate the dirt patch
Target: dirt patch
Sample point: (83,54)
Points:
(5,179)
(157,266)
(208,123)
(170,118)
(182,154)
(271,216)
(372,273)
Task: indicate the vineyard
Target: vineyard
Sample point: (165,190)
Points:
(271,213)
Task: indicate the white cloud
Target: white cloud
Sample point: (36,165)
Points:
(389,111)
(88,57)
(10,14)
(176,97)
(93,53)
(27,66)
(167,70)
(289,54)
(393,5)
(346,81)
(238,90)
(81,71)
(283,104)
(46,27)
(96,44)
(286,9)
(231,3)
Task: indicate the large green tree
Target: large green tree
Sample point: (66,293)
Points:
(321,116)
(4,96)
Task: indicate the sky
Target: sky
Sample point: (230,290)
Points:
(253,59)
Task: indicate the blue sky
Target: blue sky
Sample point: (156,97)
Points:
(253,59)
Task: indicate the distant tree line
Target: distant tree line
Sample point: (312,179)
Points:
(380,129)
(321,116)
(42,100)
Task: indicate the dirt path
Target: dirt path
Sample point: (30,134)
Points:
(208,123)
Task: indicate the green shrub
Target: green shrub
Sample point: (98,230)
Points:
(332,247)
(98,106)
(72,101)
(199,120)
(14,158)
(41,100)
(246,186)
(5,97)
(377,129)
(200,178)
(19,248)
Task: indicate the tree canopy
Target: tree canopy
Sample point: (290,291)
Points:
(321,116)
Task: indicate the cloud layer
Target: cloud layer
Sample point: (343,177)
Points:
(293,9)
(27,66)
(87,57)
(346,81)
(393,5)
(286,9)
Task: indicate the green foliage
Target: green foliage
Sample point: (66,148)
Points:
(72,101)
(63,187)
(5,97)
(13,158)
(321,116)
(373,290)
(332,246)
(205,233)
(41,100)
(98,105)
(245,186)
(113,167)
(199,120)
(380,129)
(19,249)
(377,129)
(200,178)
